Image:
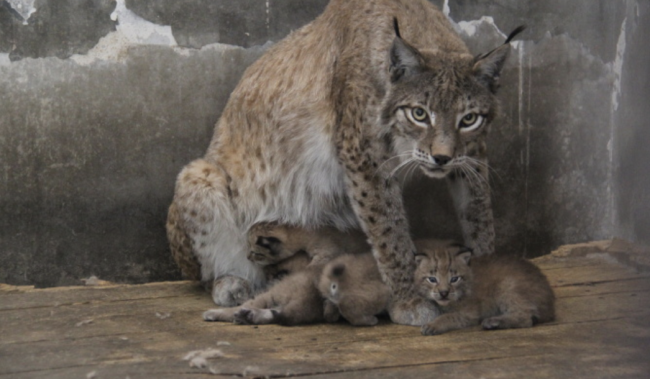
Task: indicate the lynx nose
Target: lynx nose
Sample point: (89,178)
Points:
(444,294)
(441,160)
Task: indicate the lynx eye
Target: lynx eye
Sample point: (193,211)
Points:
(432,279)
(470,121)
(454,279)
(419,114)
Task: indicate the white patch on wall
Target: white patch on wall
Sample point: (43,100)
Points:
(446,10)
(4,59)
(471,27)
(140,31)
(24,8)
(617,66)
(131,30)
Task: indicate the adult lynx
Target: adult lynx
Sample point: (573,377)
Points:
(317,128)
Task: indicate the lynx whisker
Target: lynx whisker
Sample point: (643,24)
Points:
(409,172)
(393,158)
(400,166)
(474,178)
(477,162)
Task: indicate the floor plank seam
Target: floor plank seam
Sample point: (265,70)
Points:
(594,283)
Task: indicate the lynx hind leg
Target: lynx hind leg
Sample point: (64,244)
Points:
(180,246)
(204,212)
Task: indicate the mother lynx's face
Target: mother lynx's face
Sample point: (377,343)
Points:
(439,108)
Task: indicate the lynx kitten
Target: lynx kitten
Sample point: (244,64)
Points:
(318,127)
(271,243)
(352,284)
(500,292)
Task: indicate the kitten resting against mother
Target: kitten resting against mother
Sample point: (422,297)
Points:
(315,132)
(500,292)
(317,275)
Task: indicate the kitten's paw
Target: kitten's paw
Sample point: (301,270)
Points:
(365,321)
(415,311)
(230,291)
(255,316)
(431,329)
(491,323)
(215,315)
(243,317)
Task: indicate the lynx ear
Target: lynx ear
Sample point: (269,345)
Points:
(405,59)
(465,253)
(487,68)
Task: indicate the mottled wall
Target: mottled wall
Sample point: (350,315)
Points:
(103,102)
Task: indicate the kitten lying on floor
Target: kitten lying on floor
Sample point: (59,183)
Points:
(498,291)
(296,263)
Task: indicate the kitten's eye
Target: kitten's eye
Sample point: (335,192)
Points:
(454,279)
(432,279)
(470,121)
(419,114)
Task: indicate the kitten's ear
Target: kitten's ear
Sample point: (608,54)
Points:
(488,66)
(405,59)
(465,253)
(419,258)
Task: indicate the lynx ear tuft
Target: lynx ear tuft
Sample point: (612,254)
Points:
(405,59)
(487,69)
(488,66)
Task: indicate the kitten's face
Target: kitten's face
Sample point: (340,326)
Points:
(443,274)
(439,108)
(270,243)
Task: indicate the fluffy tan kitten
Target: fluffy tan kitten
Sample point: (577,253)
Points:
(498,291)
(353,285)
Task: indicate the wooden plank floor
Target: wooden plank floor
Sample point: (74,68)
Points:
(146,331)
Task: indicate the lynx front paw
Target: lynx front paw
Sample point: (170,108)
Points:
(415,311)
(230,291)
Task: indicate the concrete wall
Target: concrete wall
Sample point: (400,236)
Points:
(103,102)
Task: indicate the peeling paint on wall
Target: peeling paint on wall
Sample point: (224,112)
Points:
(140,31)
(469,28)
(131,30)
(24,8)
